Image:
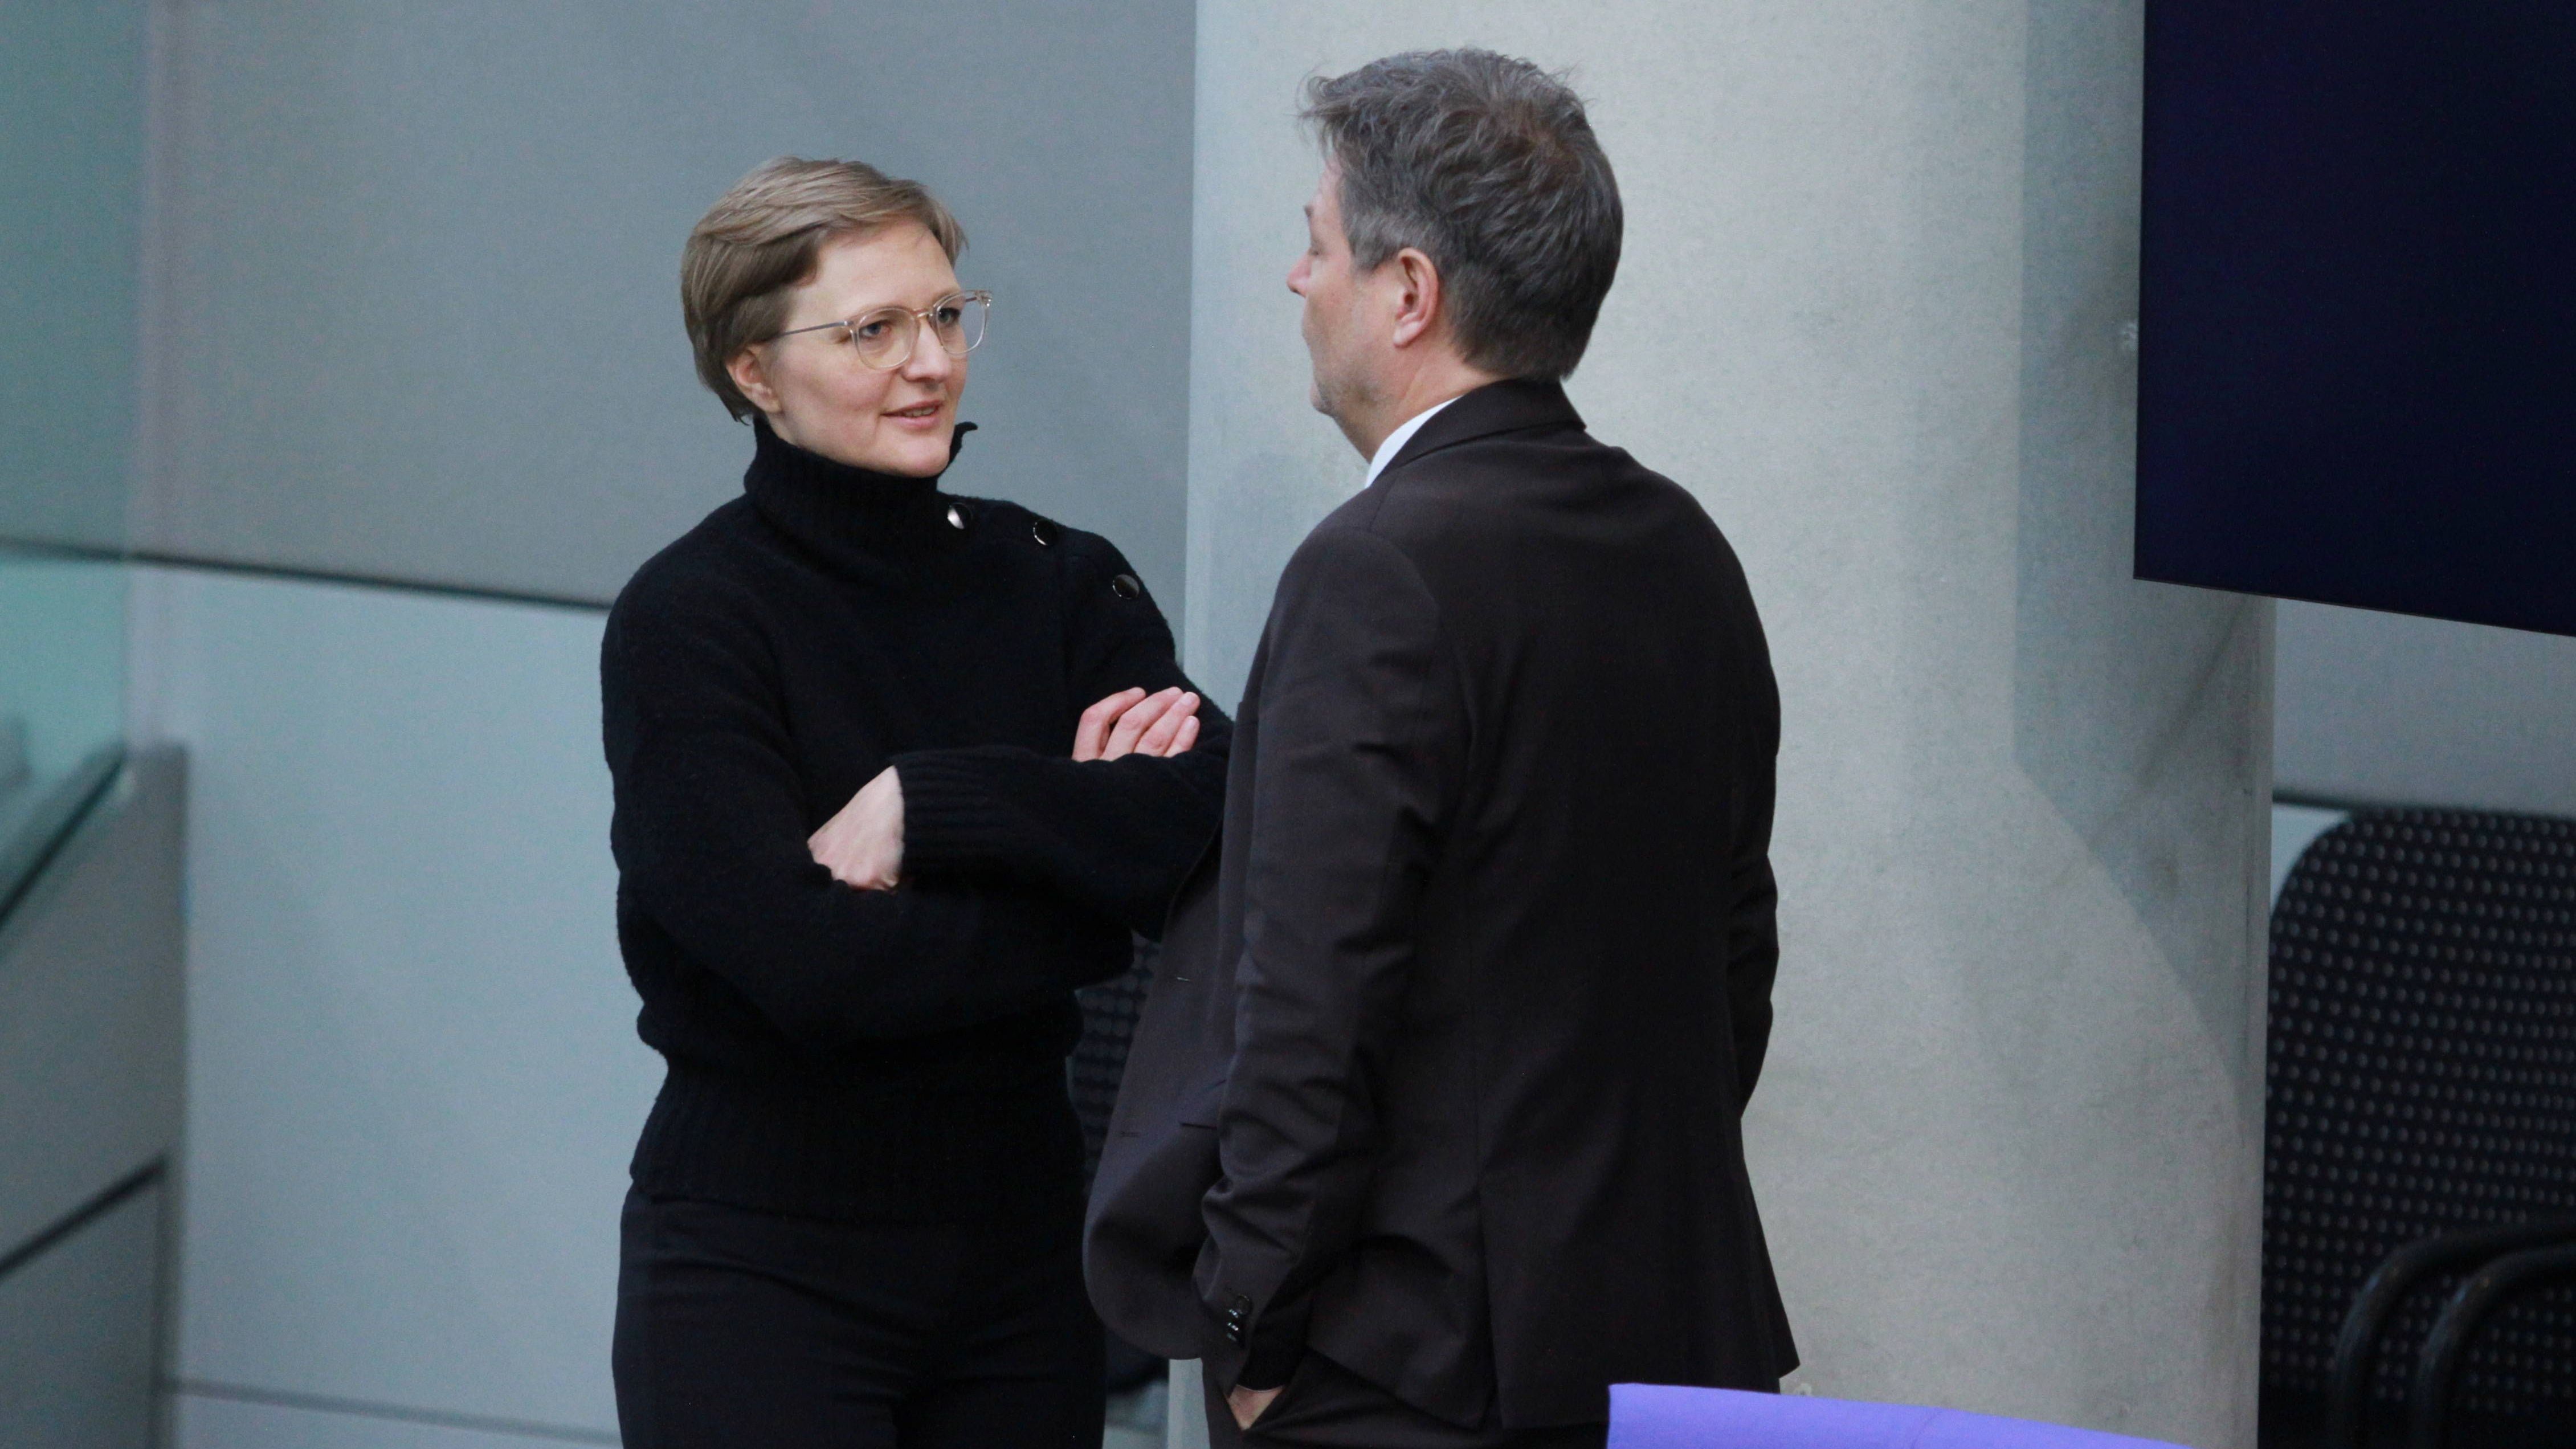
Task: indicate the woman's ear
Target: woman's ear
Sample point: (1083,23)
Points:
(753,379)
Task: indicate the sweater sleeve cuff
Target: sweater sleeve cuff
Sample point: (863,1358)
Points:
(952,817)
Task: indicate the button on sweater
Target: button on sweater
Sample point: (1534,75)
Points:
(880,1055)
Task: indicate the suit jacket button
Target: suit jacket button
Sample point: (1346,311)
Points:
(956,516)
(1127,586)
(1045,532)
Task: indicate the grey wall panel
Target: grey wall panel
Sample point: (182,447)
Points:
(413,1077)
(2294,829)
(2387,709)
(1878,251)
(422,315)
(79,1332)
(90,1007)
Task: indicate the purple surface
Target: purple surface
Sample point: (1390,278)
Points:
(1659,1416)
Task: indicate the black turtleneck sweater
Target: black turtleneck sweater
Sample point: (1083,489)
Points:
(889,1055)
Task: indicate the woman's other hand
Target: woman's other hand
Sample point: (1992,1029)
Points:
(1133,722)
(863,845)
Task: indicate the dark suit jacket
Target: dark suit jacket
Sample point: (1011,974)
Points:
(1442,1074)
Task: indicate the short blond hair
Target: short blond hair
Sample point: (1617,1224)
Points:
(763,236)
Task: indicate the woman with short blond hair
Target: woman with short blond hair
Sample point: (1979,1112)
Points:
(896,770)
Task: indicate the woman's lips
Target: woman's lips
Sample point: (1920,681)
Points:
(921,418)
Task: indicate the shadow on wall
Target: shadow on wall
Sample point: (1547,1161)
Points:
(2077,730)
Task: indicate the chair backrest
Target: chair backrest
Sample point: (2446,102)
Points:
(1109,1014)
(1661,1416)
(2422,1077)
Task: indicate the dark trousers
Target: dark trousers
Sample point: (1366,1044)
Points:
(1325,1406)
(748,1330)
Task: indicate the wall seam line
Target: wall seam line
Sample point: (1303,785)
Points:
(401,1413)
(39,548)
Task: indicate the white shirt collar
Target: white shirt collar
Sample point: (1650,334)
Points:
(1396,440)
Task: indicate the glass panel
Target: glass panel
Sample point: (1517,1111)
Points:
(71,203)
(62,696)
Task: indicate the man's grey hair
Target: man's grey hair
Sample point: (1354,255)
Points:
(1487,165)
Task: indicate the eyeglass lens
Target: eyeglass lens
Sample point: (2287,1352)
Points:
(884,338)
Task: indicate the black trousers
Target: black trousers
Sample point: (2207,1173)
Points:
(748,1330)
(1326,1406)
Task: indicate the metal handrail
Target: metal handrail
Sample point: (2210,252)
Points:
(2488,1289)
(80,1217)
(2348,1380)
(32,843)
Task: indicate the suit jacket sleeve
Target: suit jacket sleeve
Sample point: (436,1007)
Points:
(1117,837)
(1753,895)
(1753,944)
(1363,741)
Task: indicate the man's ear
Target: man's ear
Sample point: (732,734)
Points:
(752,379)
(1419,297)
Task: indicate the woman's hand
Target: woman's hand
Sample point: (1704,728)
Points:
(1133,722)
(863,845)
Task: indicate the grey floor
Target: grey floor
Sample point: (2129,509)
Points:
(1136,1420)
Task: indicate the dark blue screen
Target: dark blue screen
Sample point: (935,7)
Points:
(2357,338)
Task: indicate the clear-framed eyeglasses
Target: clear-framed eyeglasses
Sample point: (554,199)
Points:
(884,339)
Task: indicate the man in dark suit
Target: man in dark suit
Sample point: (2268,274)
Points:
(1430,1130)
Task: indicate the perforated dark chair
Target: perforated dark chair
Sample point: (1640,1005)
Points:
(1109,1013)
(2422,1075)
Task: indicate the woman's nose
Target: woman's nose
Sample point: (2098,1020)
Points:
(929,362)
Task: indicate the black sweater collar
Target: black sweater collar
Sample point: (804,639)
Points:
(838,510)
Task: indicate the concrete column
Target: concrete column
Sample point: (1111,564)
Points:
(1880,257)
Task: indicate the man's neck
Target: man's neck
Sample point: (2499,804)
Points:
(1424,388)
